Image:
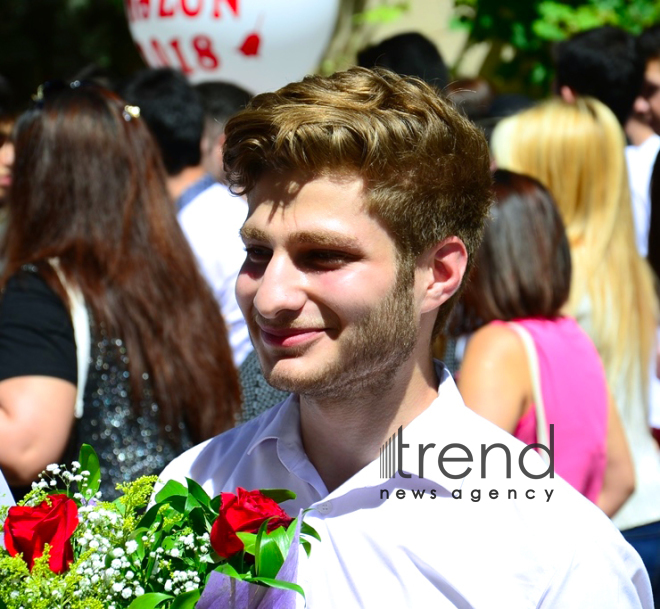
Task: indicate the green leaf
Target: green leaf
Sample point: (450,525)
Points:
(216,502)
(149,601)
(278,495)
(276,583)
(268,559)
(188,600)
(227,569)
(249,540)
(171,489)
(196,491)
(306,529)
(148,519)
(89,461)
(282,540)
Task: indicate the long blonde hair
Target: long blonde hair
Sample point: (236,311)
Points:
(576,151)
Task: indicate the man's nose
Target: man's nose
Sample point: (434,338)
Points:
(641,105)
(281,288)
(7,154)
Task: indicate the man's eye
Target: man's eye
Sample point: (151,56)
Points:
(327,258)
(257,254)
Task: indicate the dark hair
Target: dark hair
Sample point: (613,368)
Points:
(603,63)
(425,166)
(648,43)
(408,54)
(472,96)
(89,188)
(173,111)
(653,255)
(221,100)
(523,267)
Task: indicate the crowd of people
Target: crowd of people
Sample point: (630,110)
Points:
(180,261)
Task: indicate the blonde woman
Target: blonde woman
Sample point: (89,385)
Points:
(576,151)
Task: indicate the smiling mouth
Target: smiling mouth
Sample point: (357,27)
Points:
(290,337)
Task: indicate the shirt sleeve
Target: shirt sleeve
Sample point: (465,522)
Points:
(36,333)
(605,571)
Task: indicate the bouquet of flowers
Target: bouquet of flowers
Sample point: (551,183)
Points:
(65,547)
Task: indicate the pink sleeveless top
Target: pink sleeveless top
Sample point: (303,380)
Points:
(574,390)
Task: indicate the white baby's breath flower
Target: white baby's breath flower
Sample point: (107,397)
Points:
(117,587)
(129,575)
(116,564)
(51,467)
(168,586)
(131,546)
(126,593)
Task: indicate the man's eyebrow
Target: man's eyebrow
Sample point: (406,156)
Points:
(320,238)
(325,239)
(249,232)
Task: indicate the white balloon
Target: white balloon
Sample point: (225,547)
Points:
(260,45)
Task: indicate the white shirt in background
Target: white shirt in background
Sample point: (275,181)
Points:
(640,160)
(211,223)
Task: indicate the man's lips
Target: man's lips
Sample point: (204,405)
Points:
(289,337)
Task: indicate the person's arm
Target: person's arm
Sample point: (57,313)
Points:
(619,479)
(36,415)
(38,375)
(494,378)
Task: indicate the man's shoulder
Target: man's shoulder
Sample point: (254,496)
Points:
(211,461)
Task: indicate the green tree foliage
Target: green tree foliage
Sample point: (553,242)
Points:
(521,33)
(49,39)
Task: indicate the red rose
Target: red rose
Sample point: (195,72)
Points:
(29,529)
(245,513)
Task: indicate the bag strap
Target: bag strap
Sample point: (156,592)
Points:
(80,320)
(535,373)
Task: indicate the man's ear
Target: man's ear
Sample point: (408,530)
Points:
(568,94)
(442,268)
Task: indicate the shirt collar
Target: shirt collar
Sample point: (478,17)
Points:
(194,190)
(441,423)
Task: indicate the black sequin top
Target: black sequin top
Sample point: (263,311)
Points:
(37,338)
(126,436)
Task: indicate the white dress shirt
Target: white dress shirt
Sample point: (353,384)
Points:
(442,552)
(211,223)
(640,160)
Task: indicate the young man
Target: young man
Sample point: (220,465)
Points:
(367,195)
(606,63)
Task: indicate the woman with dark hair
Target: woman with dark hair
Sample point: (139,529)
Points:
(522,276)
(93,236)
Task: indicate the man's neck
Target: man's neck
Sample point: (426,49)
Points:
(637,131)
(177,184)
(341,436)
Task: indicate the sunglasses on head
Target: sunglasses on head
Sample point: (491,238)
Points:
(51,88)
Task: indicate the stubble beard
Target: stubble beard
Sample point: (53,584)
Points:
(368,359)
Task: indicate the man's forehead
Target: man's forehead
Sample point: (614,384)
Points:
(282,188)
